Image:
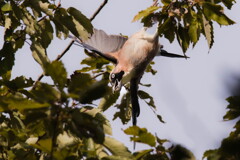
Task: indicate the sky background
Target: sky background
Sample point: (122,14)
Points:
(189,94)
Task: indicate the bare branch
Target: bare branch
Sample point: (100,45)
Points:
(98,10)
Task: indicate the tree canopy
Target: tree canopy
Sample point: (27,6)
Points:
(63,120)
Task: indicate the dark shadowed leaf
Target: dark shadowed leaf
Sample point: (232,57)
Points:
(19,83)
(82,19)
(145,96)
(124,107)
(39,93)
(180,153)
(6,58)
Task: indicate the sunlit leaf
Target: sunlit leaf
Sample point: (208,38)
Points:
(215,12)
(6,7)
(141,135)
(116,148)
(58,73)
(108,101)
(145,13)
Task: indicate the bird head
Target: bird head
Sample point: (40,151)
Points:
(115,80)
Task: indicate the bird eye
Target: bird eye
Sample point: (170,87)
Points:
(113,76)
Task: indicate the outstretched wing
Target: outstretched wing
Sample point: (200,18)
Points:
(103,44)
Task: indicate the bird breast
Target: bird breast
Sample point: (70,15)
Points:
(138,51)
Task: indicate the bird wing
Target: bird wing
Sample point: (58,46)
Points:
(103,44)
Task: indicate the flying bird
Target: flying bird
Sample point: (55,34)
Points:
(130,55)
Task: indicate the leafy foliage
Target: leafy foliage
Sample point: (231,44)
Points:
(186,20)
(59,120)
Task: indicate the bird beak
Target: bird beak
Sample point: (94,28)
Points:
(116,85)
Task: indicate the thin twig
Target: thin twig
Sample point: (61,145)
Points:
(57,59)
(98,10)
(71,43)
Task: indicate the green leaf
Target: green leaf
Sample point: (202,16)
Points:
(39,93)
(19,83)
(82,19)
(215,12)
(85,125)
(6,58)
(46,32)
(97,114)
(58,73)
(95,91)
(144,95)
(208,31)
(145,13)
(19,103)
(125,109)
(183,37)
(6,7)
(62,17)
(141,154)
(116,147)
(40,55)
(141,135)
(108,100)
(228,3)
(194,30)
(167,28)
(180,153)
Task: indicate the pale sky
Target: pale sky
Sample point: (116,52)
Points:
(189,94)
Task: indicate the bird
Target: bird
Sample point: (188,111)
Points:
(130,55)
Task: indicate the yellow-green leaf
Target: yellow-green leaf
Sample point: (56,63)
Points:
(145,13)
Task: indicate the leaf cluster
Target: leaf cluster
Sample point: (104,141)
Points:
(187,20)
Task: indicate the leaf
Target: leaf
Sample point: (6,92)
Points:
(58,73)
(19,103)
(183,38)
(141,154)
(46,32)
(108,100)
(144,95)
(167,28)
(62,17)
(141,135)
(180,153)
(229,3)
(208,31)
(125,109)
(82,19)
(7,58)
(84,125)
(194,30)
(39,93)
(19,83)
(6,7)
(95,91)
(44,144)
(215,12)
(39,54)
(97,114)
(145,13)
(116,147)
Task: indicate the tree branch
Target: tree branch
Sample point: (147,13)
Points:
(98,10)
(71,43)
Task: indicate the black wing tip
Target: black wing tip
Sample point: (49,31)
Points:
(172,55)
